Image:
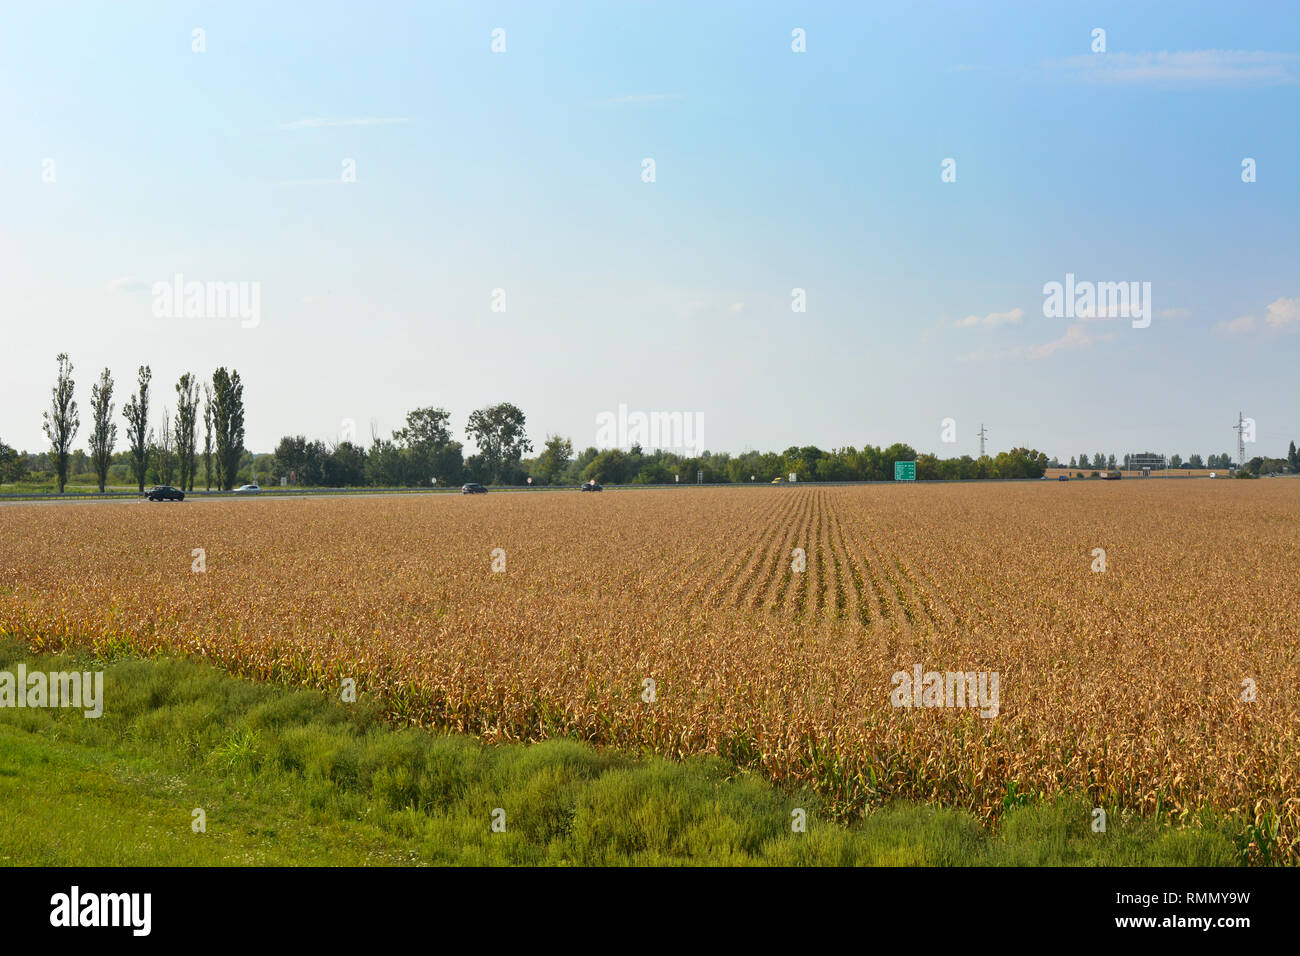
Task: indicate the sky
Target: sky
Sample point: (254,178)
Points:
(429,221)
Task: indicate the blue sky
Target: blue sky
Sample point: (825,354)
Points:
(775,170)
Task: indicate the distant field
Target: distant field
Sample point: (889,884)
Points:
(1126,684)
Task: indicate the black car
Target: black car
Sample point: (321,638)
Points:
(165,493)
(473,488)
(591,486)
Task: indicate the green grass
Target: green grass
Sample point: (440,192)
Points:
(292,777)
(51,486)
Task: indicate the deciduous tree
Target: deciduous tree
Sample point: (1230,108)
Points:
(498,431)
(185,427)
(138,432)
(227,425)
(62,421)
(103,433)
(207,436)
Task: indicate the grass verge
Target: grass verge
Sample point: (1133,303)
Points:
(291,777)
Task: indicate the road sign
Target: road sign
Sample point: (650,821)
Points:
(905,471)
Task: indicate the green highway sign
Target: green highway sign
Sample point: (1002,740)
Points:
(905,471)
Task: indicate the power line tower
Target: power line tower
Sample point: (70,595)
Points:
(1240,429)
(984,433)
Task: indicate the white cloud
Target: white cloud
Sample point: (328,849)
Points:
(992,320)
(1075,337)
(1283,312)
(126,284)
(1238,326)
(1175,313)
(355,121)
(1185,68)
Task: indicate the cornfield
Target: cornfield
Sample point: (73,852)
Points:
(675,620)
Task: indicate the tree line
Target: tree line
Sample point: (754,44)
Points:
(1257,465)
(1100,461)
(424,452)
(170,451)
